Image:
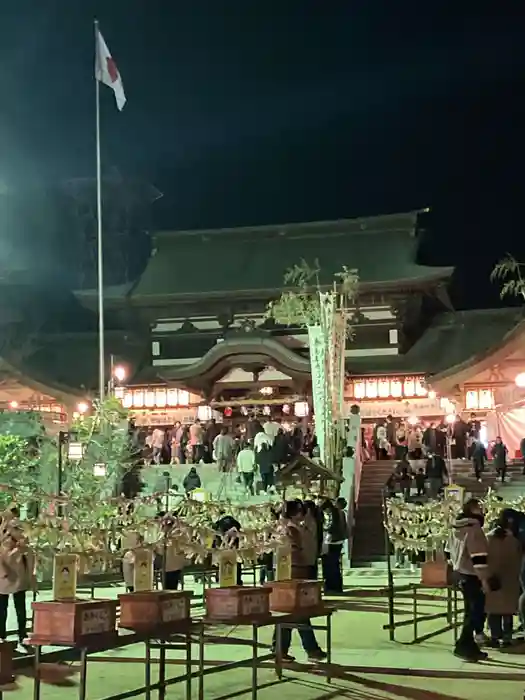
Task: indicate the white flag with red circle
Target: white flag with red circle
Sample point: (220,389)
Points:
(106,70)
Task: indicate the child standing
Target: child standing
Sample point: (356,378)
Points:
(420,482)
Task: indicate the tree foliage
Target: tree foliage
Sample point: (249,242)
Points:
(18,468)
(29,462)
(27,457)
(510,273)
(299,304)
(105,439)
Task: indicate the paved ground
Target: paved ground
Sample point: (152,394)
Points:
(368,665)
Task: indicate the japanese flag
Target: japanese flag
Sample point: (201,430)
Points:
(106,70)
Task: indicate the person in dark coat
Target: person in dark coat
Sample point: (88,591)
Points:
(390,487)
(335,534)
(436,474)
(499,456)
(430,438)
(502,598)
(292,515)
(253,426)
(478,456)
(281,448)
(459,437)
(264,460)
(191,481)
(420,480)
(403,472)
(228,525)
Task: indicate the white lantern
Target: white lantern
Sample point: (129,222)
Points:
(75,450)
(204,413)
(99,469)
(301,409)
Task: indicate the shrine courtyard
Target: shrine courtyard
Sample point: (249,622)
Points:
(366,665)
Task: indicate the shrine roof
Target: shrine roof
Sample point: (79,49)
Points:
(460,345)
(68,363)
(252,260)
(455,341)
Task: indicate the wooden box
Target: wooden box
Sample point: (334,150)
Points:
(436,574)
(294,595)
(6,663)
(75,622)
(154,610)
(237,602)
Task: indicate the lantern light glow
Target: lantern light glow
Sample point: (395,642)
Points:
(119,373)
(520,380)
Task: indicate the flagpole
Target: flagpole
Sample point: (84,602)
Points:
(100,258)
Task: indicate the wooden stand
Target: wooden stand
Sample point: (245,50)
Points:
(148,610)
(237,602)
(6,663)
(294,595)
(75,622)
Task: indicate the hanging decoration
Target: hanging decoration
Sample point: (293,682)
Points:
(427,527)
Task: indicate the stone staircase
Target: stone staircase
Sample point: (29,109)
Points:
(369,540)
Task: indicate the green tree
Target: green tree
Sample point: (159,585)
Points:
(27,458)
(299,304)
(510,273)
(17,470)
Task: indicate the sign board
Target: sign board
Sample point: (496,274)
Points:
(142,570)
(227,568)
(96,621)
(283,567)
(167,417)
(397,409)
(455,493)
(65,576)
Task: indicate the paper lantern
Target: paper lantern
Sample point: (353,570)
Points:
(301,409)
(204,413)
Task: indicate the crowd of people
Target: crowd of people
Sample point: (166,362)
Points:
(255,450)
(490,572)
(429,476)
(198,442)
(391,438)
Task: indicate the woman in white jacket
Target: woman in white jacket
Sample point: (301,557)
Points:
(17,575)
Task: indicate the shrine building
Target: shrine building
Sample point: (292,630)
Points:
(193,334)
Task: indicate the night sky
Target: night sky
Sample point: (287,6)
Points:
(269,111)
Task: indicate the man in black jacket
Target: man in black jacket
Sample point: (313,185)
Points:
(436,474)
(335,534)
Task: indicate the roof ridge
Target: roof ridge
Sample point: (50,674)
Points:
(361,224)
(504,311)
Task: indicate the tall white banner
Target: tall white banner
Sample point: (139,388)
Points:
(318,354)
